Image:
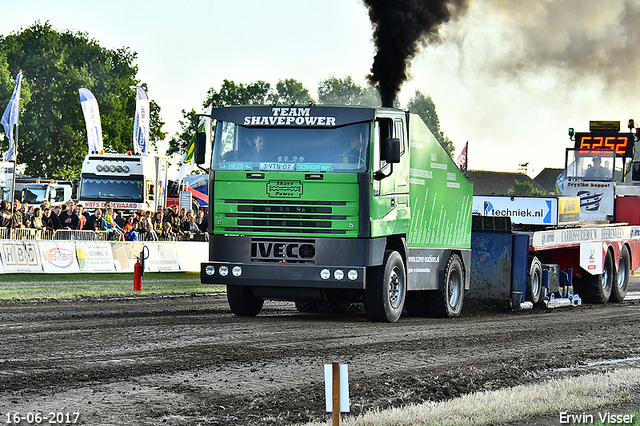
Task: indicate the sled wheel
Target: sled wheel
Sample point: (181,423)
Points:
(534,281)
(621,284)
(597,288)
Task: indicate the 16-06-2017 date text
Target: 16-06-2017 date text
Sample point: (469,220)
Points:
(39,418)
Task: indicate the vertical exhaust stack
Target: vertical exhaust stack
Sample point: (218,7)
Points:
(399,28)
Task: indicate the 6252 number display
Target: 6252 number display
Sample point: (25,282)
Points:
(621,143)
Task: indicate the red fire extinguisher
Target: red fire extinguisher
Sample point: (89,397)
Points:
(138,268)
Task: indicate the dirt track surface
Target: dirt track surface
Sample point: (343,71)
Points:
(188,361)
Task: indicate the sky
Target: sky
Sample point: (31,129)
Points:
(507,76)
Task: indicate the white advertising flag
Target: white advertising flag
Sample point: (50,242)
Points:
(92,120)
(141,122)
(10,119)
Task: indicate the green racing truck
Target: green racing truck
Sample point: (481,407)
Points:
(332,205)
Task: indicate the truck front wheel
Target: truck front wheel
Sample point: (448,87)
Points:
(386,289)
(242,301)
(447,303)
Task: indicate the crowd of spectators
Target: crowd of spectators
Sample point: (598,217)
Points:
(165,224)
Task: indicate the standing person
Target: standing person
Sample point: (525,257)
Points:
(5,214)
(147,225)
(68,218)
(38,219)
(55,218)
(26,217)
(202,224)
(82,219)
(157,223)
(47,219)
(112,226)
(174,220)
(97,222)
(17,219)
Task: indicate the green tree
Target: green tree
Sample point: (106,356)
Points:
(188,125)
(345,91)
(426,109)
(292,91)
(524,188)
(256,93)
(52,139)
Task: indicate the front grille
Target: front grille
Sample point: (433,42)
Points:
(288,217)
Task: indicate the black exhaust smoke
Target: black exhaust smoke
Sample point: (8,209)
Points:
(399,28)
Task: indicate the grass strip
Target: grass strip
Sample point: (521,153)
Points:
(571,396)
(70,286)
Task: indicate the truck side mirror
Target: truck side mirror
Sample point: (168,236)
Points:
(392,150)
(200,147)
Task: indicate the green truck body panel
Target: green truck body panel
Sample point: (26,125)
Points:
(441,196)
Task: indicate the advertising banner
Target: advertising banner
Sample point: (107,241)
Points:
(58,257)
(20,256)
(163,257)
(94,256)
(124,255)
(191,255)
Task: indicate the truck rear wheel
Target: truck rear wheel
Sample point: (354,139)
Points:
(242,301)
(620,286)
(597,288)
(447,303)
(386,289)
(534,281)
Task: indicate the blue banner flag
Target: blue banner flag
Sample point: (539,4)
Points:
(10,119)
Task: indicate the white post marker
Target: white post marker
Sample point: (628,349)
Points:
(342,390)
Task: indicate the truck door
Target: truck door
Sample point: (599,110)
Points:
(390,194)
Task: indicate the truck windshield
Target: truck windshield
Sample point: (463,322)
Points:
(110,188)
(593,164)
(34,194)
(341,149)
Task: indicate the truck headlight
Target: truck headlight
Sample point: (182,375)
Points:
(236,271)
(338,274)
(223,271)
(352,275)
(325,274)
(210,270)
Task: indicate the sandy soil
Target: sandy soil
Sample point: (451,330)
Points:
(185,360)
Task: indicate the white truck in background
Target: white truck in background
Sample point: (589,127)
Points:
(58,193)
(129,182)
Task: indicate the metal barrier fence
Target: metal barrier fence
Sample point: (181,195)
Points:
(65,234)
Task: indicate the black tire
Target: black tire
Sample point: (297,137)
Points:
(242,301)
(534,281)
(597,288)
(621,283)
(447,302)
(306,307)
(386,289)
(332,307)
